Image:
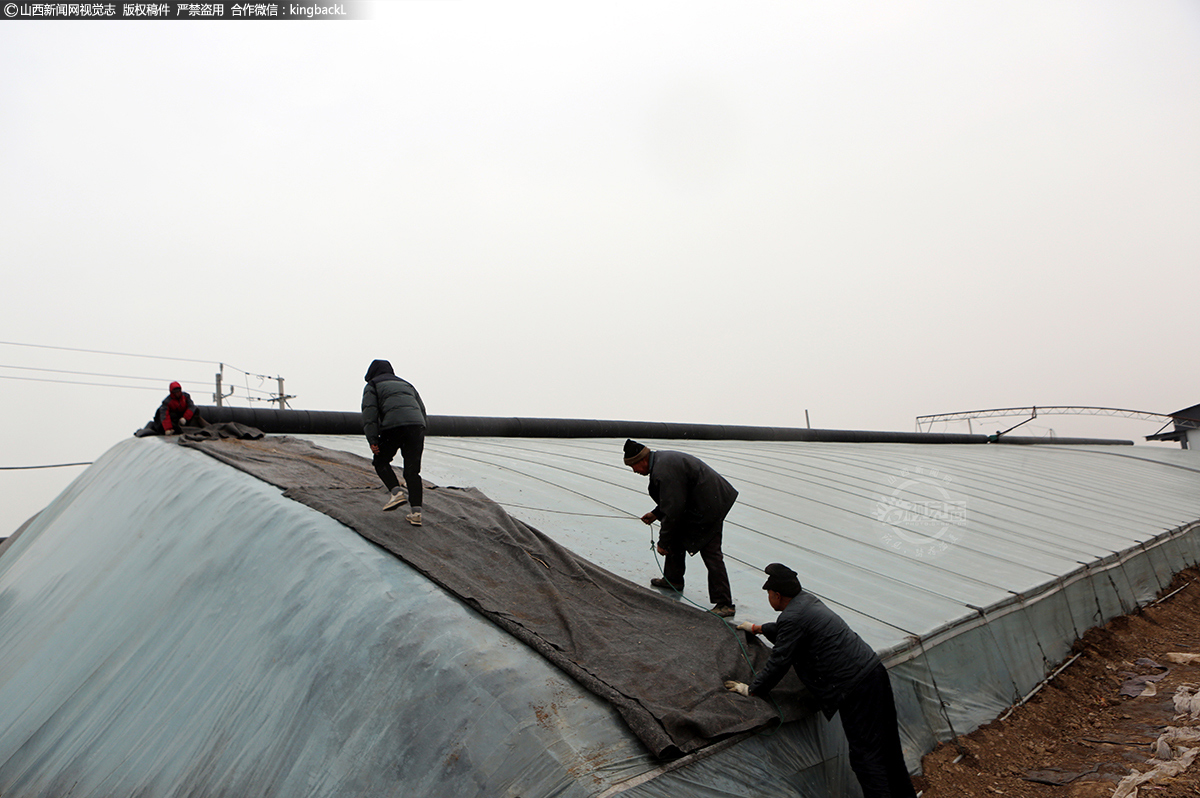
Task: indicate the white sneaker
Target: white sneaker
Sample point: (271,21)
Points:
(395,501)
(413,518)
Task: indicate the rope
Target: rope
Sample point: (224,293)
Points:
(563,512)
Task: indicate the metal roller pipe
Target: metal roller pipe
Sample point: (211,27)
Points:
(333,422)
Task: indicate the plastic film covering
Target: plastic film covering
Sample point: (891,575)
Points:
(971,569)
(171,626)
(661,663)
(807,758)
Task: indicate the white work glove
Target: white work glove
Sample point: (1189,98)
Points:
(741,688)
(172,431)
(746,626)
(182,422)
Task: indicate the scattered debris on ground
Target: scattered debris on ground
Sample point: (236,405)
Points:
(1121,721)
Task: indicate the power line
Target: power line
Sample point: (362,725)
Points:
(86,373)
(77,382)
(268,398)
(118,354)
(271,396)
(55,465)
(109,376)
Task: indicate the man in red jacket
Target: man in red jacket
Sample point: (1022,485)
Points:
(176,411)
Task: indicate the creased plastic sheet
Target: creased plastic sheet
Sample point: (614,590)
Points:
(662,664)
(805,759)
(170,626)
(970,673)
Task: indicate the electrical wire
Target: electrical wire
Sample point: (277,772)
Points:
(132,354)
(110,376)
(100,352)
(54,465)
(111,385)
(85,373)
(270,396)
(78,382)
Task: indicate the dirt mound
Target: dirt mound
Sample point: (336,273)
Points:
(1097,721)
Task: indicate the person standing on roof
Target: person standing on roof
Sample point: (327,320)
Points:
(842,671)
(692,501)
(176,411)
(394,420)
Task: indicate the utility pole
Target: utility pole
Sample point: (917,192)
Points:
(219,396)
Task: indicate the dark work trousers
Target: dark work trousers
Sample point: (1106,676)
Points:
(409,440)
(719,592)
(869,720)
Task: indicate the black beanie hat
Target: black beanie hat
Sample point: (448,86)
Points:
(782,580)
(634,452)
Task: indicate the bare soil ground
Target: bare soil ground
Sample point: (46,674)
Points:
(1079,736)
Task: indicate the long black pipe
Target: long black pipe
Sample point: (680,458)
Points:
(333,422)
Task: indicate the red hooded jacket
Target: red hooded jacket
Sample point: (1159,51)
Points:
(179,405)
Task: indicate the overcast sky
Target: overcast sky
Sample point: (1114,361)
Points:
(725,212)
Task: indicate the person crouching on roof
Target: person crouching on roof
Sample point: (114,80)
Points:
(692,501)
(394,420)
(176,411)
(842,671)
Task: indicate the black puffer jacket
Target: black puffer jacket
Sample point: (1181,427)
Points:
(389,401)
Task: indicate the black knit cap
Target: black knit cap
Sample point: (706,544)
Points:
(782,580)
(635,452)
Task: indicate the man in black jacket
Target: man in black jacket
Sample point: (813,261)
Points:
(692,501)
(394,420)
(842,671)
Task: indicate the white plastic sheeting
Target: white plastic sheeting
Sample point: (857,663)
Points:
(170,626)
(972,568)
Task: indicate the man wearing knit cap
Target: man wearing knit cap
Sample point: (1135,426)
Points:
(692,501)
(844,674)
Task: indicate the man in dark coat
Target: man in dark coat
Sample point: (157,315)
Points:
(394,420)
(692,501)
(176,411)
(842,671)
